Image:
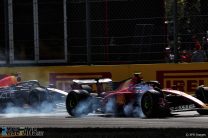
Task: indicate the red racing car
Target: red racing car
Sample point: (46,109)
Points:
(133,97)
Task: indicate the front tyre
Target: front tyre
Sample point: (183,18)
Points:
(147,105)
(153,104)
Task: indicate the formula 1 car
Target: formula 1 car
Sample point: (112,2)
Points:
(29,94)
(137,99)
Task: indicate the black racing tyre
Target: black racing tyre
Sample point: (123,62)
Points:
(76,99)
(147,105)
(150,105)
(202,94)
(71,102)
(202,111)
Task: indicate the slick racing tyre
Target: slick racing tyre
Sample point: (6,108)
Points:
(150,105)
(78,103)
(202,94)
(202,111)
(147,105)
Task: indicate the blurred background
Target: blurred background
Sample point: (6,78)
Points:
(85,32)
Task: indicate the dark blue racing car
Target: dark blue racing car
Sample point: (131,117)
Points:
(29,94)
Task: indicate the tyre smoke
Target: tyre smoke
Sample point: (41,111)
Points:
(134,109)
(45,108)
(110,106)
(84,107)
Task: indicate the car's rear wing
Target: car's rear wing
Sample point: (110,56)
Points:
(92,81)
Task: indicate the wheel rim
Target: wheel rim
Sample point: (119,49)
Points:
(73,102)
(147,104)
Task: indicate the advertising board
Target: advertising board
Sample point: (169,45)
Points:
(185,77)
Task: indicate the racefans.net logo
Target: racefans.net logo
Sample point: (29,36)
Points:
(20,131)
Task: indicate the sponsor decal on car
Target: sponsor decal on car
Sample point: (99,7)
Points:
(183,107)
(6,95)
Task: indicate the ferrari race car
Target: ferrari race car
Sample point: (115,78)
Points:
(131,98)
(30,94)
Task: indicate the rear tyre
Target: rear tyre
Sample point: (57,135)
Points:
(71,102)
(77,103)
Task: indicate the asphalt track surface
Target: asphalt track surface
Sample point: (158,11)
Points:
(190,119)
(59,124)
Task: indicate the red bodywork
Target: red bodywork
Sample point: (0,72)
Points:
(125,93)
(129,91)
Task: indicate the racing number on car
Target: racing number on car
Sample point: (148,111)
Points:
(120,99)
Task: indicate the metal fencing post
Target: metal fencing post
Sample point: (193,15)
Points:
(88,42)
(175,28)
(6,30)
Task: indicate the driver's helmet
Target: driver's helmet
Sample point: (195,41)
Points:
(18,76)
(137,78)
